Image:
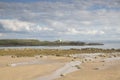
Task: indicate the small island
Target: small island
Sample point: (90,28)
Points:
(33,42)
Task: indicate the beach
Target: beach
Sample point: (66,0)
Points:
(102,69)
(85,66)
(28,71)
(59,39)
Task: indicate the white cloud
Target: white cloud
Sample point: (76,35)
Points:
(73,31)
(76,18)
(86,22)
(39,28)
(94,32)
(1,34)
(17,25)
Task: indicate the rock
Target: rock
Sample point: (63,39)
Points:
(73,60)
(77,66)
(96,68)
(83,61)
(62,75)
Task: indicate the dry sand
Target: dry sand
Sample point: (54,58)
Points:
(111,73)
(93,67)
(99,69)
(28,72)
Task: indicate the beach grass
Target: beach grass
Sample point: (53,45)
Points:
(57,52)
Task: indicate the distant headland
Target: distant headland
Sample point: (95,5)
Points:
(34,42)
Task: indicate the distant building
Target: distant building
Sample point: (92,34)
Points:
(59,40)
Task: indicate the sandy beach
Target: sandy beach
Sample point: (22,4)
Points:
(94,66)
(99,69)
(59,39)
(28,71)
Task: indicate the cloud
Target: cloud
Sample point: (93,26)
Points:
(86,23)
(73,31)
(61,18)
(1,34)
(17,26)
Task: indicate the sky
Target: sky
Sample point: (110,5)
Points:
(60,19)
